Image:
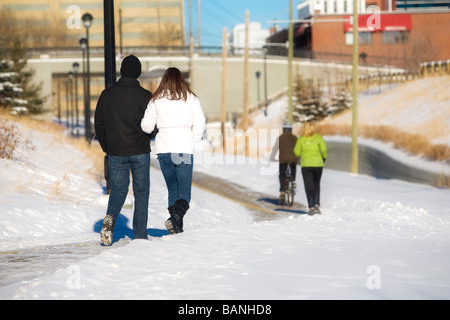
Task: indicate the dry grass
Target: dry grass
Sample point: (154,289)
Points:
(93,152)
(12,139)
(415,144)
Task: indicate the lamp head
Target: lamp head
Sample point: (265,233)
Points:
(87,20)
(83,43)
(75,66)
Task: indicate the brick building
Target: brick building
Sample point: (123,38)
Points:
(391,32)
(400,39)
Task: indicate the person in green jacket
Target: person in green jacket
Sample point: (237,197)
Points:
(312,149)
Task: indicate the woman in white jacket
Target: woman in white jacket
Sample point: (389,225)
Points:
(178,115)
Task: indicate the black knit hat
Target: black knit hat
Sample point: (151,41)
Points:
(131,67)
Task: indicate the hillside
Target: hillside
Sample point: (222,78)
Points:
(421,106)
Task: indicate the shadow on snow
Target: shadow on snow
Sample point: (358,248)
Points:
(122,230)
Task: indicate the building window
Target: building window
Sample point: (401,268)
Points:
(363,38)
(395,36)
(421,4)
(325,7)
(345,6)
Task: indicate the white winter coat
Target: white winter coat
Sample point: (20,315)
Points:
(180,123)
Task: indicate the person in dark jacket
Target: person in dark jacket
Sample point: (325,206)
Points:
(285,146)
(118,115)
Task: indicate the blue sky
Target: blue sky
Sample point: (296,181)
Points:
(216,14)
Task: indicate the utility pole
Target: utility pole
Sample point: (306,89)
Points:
(224,89)
(246,83)
(191,63)
(199,14)
(158,18)
(355,161)
(290,67)
(190,19)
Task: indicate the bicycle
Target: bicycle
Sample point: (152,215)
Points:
(289,187)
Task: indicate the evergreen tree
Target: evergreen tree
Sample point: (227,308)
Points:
(9,88)
(340,100)
(16,91)
(308,101)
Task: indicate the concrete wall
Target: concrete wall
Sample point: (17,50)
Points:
(207,77)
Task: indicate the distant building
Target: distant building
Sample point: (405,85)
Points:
(397,33)
(309,8)
(422,4)
(256,35)
(50,23)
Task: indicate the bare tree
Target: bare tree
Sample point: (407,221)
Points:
(30,34)
(167,34)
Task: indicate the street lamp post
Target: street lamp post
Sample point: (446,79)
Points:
(71,126)
(83,44)
(265,49)
(258,97)
(110,61)
(75,67)
(67,102)
(59,100)
(87,21)
(110,43)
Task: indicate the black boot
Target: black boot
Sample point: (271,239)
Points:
(175,223)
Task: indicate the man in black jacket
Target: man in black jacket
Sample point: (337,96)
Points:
(118,116)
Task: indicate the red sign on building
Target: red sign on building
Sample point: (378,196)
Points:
(380,22)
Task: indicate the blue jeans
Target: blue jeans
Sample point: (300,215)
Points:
(177,171)
(119,173)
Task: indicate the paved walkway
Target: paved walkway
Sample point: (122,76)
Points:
(263,206)
(26,264)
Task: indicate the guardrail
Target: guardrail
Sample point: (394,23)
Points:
(435,68)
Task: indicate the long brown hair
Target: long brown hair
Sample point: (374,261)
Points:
(172,86)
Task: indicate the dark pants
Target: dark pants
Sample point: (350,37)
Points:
(282,174)
(119,174)
(177,171)
(311,180)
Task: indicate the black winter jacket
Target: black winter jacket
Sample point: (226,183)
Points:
(118,116)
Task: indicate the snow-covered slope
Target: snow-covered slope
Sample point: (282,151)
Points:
(421,106)
(376,239)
